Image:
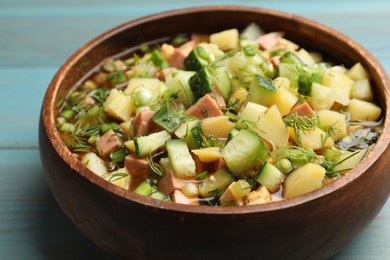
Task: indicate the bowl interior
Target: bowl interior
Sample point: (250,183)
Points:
(305,32)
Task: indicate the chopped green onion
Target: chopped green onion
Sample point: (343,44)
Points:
(109,126)
(68,114)
(142,97)
(158,60)
(202,175)
(67,127)
(145,188)
(332,155)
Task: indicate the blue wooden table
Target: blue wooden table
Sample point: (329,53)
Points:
(35,39)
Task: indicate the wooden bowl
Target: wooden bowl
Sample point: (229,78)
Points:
(314,226)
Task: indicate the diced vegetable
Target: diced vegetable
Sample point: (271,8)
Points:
(94,163)
(119,105)
(244,151)
(226,40)
(180,158)
(271,177)
(303,180)
(363,110)
(217,182)
(147,145)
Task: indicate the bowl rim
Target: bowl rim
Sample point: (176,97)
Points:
(49,106)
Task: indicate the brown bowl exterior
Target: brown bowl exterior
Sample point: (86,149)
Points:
(314,226)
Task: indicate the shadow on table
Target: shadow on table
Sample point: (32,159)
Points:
(56,237)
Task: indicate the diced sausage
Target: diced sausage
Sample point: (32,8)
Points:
(143,124)
(177,58)
(108,143)
(219,98)
(89,101)
(162,75)
(215,165)
(303,109)
(137,167)
(179,197)
(199,165)
(269,40)
(167,51)
(204,107)
(198,38)
(275,61)
(169,183)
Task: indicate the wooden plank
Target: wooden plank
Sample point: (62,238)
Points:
(47,33)
(32,226)
(22,91)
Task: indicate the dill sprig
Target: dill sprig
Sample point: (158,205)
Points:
(157,170)
(117,176)
(330,166)
(301,124)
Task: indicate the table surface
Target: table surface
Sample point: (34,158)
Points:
(35,39)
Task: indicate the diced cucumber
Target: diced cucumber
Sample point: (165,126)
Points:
(158,60)
(158,195)
(169,119)
(245,151)
(197,59)
(304,85)
(290,58)
(195,137)
(179,85)
(271,177)
(237,190)
(180,158)
(145,188)
(216,182)
(232,134)
(146,145)
(200,84)
(262,90)
(221,81)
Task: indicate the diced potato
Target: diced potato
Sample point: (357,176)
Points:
(335,120)
(362,90)
(179,197)
(125,126)
(211,48)
(119,105)
(130,145)
(340,84)
(94,163)
(218,126)
(239,96)
(237,190)
(304,56)
(208,154)
(321,97)
(358,72)
(282,82)
(154,86)
(251,114)
(119,178)
(353,159)
(259,196)
(225,40)
(312,139)
(363,110)
(284,100)
(303,180)
(272,128)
